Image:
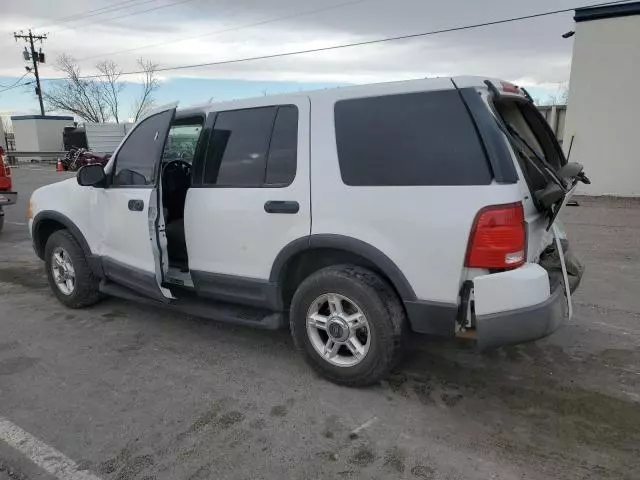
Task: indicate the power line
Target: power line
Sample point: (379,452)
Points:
(139,12)
(16,82)
(16,86)
(106,9)
(367,42)
(84,17)
(232,29)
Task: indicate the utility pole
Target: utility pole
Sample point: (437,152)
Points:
(36,57)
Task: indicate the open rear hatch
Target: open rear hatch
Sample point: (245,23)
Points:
(551,178)
(551,181)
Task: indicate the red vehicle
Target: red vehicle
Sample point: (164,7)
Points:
(7,197)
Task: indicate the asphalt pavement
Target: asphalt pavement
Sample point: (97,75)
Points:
(124,391)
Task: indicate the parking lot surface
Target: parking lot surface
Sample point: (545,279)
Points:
(125,391)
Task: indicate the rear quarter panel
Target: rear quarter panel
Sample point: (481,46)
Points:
(423,230)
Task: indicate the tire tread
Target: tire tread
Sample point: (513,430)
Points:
(392,335)
(86,291)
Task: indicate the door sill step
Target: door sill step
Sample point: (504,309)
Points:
(177,277)
(209,309)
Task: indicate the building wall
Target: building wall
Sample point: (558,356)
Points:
(555,116)
(35,133)
(105,137)
(50,134)
(26,135)
(603,113)
(3,139)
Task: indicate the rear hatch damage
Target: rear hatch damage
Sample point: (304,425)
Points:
(530,302)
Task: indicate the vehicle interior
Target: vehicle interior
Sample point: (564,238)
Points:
(533,140)
(177,160)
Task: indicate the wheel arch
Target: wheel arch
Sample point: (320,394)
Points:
(46,223)
(303,256)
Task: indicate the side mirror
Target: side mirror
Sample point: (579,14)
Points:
(92,175)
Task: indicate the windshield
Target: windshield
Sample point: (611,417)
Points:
(182,141)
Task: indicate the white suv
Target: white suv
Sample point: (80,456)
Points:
(354,215)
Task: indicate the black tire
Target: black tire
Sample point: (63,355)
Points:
(85,292)
(1,221)
(382,308)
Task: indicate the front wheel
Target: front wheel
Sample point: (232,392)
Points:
(68,271)
(349,324)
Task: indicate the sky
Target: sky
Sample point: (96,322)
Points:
(531,53)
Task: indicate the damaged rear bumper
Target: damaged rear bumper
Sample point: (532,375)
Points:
(523,324)
(524,304)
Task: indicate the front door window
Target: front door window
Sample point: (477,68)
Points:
(137,159)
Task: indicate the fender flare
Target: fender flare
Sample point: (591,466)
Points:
(348,244)
(63,220)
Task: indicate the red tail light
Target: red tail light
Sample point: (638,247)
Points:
(5,174)
(498,238)
(509,87)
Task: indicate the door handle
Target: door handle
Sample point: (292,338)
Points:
(136,205)
(281,206)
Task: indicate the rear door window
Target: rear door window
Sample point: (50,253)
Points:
(425,138)
(283,150)
(255,147)
(239,146)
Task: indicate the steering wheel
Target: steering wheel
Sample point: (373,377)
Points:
(176,176)
(176,180)
(177,165)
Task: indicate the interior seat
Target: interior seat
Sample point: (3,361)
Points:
(176,180)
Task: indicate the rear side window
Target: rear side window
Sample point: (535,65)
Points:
(423,138)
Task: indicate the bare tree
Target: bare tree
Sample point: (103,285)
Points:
(111,74)
(98,99)
(150,84)
(560,97)
(83,97)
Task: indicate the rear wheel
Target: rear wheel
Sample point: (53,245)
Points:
(349,324)
(68,271)
(1,219)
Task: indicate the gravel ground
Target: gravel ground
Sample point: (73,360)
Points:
(133,392)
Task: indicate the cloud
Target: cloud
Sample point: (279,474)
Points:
(530,52)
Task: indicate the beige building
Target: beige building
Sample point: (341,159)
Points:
(603,116)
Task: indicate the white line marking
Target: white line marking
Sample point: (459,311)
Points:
(17,223)
(44,456)
(367,424)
